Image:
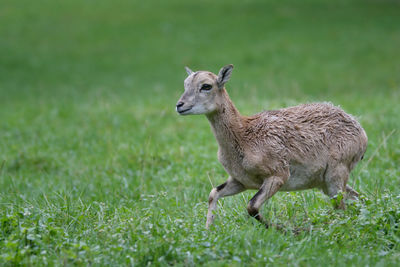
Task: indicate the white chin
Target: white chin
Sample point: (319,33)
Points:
(194,111)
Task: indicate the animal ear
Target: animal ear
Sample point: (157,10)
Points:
(224,75)
(189,71)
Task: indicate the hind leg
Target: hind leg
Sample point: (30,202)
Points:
(335,182)
(351,193)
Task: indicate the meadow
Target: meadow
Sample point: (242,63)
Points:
(97,168)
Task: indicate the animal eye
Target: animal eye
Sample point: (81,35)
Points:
(206,87)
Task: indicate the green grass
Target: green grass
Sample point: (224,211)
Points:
(97,168)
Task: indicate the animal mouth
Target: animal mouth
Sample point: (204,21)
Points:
(184,110)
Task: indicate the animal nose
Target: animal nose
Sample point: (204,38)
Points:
(179,104)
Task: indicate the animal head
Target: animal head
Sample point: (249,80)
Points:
(203,91)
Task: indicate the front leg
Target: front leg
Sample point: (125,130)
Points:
(269,187)
(229,188)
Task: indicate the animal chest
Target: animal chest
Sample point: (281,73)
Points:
(234,165)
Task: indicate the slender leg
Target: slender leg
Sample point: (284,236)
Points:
(267,190)
(335,181)
(229,188)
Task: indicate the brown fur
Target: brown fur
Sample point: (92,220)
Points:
(295,148)
(269,142)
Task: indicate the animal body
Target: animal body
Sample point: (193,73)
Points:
(302,147)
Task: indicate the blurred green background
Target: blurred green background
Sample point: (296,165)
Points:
(96,167)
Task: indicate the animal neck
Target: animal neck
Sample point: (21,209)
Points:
(227,125)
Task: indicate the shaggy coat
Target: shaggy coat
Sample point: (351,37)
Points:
(301,142)
(302,147)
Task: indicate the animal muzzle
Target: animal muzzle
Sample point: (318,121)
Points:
(181,108)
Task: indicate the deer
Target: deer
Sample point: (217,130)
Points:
(314,145)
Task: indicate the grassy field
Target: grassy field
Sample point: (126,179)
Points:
(96,167)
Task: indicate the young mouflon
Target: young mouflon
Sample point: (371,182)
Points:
(302,147)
